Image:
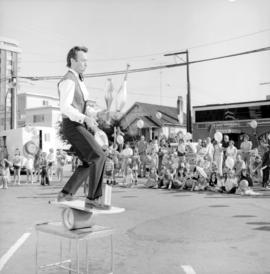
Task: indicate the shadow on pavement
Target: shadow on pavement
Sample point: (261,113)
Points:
(243,216)
(263,228)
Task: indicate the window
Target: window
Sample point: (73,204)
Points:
(45,102)
(47,137)
(240,113)
(38,118)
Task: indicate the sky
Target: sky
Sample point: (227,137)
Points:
(140,32)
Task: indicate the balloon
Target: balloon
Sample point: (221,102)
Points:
(218,136)
(140,123)
(188,136)
(253,124)
(120,139)
(101,138)
(243,185)
(229,162)
(158,115)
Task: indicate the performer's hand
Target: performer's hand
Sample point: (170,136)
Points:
(91,123)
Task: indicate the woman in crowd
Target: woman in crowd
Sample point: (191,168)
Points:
(17,165)
(218,156)
(246,147)
(231,150)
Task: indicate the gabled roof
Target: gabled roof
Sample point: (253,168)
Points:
(149,111)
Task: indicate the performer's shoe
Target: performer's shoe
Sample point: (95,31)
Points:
(62,197)
(95,204)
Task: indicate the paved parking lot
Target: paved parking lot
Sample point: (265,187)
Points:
(161,231)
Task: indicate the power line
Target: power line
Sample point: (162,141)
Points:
(119,72)
(153,54)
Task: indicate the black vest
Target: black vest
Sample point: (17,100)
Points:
(78,99)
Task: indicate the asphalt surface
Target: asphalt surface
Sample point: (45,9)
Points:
(161,232)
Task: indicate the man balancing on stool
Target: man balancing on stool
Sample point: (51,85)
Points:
(73,105)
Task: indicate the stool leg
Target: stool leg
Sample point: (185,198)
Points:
(111,254)
(86,255)
(37,242)
(61,249)
(77,257)
(69,253)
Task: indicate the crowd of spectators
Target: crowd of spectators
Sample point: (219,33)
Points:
(205,165)
(39,168)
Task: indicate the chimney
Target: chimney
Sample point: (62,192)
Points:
(180,112)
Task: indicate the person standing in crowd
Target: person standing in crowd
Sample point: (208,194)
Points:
(135,164)
(50,162)
(37,165)
(126,154)
(231,150)
(262,147)
(78,117)
(255,168)
(239,165)
(60,163)
(246,147)
(266,168)
(29,169)
(44,180)
(209,149)
(142,146)
(225,144)
(17,165)
(218,156)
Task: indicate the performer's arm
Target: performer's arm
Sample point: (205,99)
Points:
(67,89)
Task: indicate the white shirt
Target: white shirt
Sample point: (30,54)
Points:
(67,89)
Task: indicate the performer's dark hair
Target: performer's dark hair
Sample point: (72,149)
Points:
(73,54)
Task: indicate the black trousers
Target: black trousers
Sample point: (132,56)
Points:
(265,176)
(91,156)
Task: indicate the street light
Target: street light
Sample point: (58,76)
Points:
(5,109)
(11,90)
(189,122)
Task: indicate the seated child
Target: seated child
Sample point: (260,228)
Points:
(168,178)
(244,189)
(230,182)
(201,183)
(128,178)
(148,165)
(152,180)
(180,177)
(161,177)
(191,178)
(245,176)
(171,174)
(213,183)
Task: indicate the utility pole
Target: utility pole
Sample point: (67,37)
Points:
(188,114)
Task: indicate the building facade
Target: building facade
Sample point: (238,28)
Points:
(9,52)
(37,110)
(232,119)
(157,120)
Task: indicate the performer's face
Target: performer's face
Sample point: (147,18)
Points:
(80,64)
